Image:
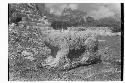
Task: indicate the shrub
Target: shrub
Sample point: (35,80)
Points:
(25,47)
(62,43)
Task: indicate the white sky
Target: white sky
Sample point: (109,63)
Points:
(97,10)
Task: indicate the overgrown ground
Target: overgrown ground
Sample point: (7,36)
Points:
(26,50)
(108,69)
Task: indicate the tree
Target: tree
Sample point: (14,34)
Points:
(114,24)
(75,17)
(90,21)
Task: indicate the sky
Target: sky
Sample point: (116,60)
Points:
(96,10)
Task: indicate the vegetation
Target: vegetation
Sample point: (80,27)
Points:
(30,39)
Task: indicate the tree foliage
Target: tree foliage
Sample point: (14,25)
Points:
(114,25)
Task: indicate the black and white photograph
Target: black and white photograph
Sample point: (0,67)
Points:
(65,41)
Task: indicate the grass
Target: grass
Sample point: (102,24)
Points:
(108,70)
(26,36)
(113,43)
